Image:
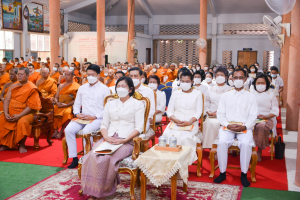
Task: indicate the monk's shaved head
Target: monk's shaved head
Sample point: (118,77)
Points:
(14,70)
(13,74)
(45,72)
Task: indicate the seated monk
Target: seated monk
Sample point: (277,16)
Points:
(64,63)
(76,69)
(7,65)
(62,79)
(48,62)
(74,61)
(34,63)
(64,100)
(55,74)
(17,63)
(155,72)
(4,77)
(23,62)
(110,80)
(46,84)
(20,104)
(33,75)
(13,78)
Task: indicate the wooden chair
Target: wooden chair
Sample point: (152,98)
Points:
(127,164)
(233,147)
(43,122)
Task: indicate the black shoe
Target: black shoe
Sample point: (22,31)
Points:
(220,178)
(244,180)
(74,163)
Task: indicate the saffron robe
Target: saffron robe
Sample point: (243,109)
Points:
(48,88)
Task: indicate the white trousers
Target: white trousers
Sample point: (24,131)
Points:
(71,131)
(245,143)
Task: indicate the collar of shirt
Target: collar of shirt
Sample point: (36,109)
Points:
(96,85)
(239,92)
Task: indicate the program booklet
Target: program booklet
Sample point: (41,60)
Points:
(107,148)
(261,120)
(82,121)
(239,123)
(174,126)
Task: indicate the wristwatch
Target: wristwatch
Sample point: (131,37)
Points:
(76,114)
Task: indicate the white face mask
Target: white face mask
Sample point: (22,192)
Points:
(197,81)
(136,82)
(30,61)
(208,80)
(153,70)
(92,79)
(72,68)
(54,69)
(115,67)
(64,74)
(15,64)
(198,68)
(261,88)
(230,83)
(220,79)
(124,71)
(194,70)
(4,63)
(238,83)
(153,86)
(185,86)
(122,92)
(105,74)
(143,80)
(252,70)
(205,68)
(38,61)
(128,68)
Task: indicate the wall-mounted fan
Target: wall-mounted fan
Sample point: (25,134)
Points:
(134,44)
(65,37)
(276,40)
(281,7)
(109,41)
(275,25)
(201,43)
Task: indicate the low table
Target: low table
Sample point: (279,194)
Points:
(160,166)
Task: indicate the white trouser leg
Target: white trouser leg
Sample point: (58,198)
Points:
(93,126)
(70,133)
(245,142)
(225,141)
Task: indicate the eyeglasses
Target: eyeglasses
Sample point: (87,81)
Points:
(239,78)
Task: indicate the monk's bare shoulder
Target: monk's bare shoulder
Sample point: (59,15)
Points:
(14,85)
(7,85)
(40,81)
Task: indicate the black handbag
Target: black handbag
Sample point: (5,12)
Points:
(279,149)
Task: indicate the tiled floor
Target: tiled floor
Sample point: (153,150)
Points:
(290,140)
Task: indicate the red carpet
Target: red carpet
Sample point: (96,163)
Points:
(269,174)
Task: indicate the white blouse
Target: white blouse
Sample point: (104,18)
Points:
(267,103)
(161,104)
(175,86)
(213,97)
(202,88)
(123,118)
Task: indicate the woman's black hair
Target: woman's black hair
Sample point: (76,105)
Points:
(201,73)
(212,75)
(95,68)
(227,80)
(268,75)
(156,78)
(274,68)
(221,69)
(128,81)
(240,70)
(187,73)
(181,70)
(249,71)
(146,79)
(264,77)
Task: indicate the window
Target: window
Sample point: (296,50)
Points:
(6,44)
(268,60)
(40,45)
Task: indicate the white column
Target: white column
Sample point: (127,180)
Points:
(214,39)
(66,25)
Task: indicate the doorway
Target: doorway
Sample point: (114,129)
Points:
(148,55)
(247,58)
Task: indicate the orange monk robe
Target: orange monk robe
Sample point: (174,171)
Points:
(36,65)
(48,88)
(64,64)
(77,72)
(76,63)
(9,67)
(112,83)
(157,74)
(66,95)
(102,74)
(55,76)
(11,133)
(19,66)
(64,80)
(24,64)
(34,77)
(47,64)
(172,75)
(3,80)
(1,103)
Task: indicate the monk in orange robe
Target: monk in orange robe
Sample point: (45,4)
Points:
(74,61)
(76,69)
(64,63)
(62,79)
(7,65)
(33,76)
(22,62)
(55,73)
(34,63)
(13,79)
(20,105)
(64,100)
(48,62)
(172,72)
(17,63)
(155,72)
(110,80)
(46,84)
(4,77)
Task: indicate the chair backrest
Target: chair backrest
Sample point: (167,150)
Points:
(154,116)
(161,86)
(139,97)
(47,105)
(202,115)
(168,91)
(169,83)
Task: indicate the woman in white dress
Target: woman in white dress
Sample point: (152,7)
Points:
(185,109)
(154,82)
(198,77)
(209,79)
(176,82)
(252,71)
(267,109)
(211,125)
(230,80)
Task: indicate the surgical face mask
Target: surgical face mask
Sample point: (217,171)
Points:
(153,70)
(220,79)
(92,79)
(273,75)
(185,86)
(122,92)
(198,68)
(205,68)
(208,80)
(54,69)
(261,88)
(238,83)
(115,67)
(230,82)
(143,80)
(194,70)
(124,71)
(38,61)
(4,63)
(72,68)
(128,68)
(30,61)
(105,74)
(153,86)
(136,82)
(197,81)
(252,70)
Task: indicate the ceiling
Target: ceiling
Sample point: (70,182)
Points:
(170,7)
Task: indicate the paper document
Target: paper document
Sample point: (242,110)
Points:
(107,148)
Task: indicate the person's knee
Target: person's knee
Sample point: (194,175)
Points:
(69,131)
(246,143)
